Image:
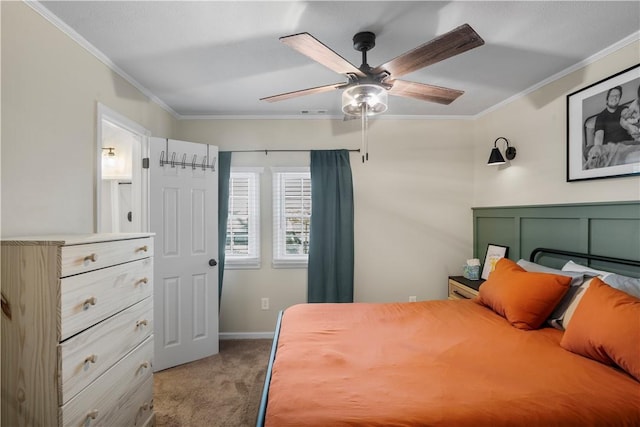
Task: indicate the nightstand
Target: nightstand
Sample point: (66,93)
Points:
(463,288)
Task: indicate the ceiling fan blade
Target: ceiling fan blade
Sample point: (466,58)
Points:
(310,91)
(445,46)
(308,45)
(441,95)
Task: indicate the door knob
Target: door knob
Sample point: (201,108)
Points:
(213,262)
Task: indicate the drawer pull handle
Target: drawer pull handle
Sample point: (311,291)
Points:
(93,258)
(461,295)
(91,359)
(6,307)
(144,280)
(144,364)
(92,415)
(142,322)
(144,248)
(89,302)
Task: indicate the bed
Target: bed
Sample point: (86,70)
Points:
(466,363)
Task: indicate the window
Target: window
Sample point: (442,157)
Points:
(242,248)
(291,216)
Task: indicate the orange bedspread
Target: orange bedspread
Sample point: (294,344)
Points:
(435,363)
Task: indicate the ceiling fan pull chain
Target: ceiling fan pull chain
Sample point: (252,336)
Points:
(366,127)
(363,120)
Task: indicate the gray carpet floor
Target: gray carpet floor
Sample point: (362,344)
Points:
(220,390)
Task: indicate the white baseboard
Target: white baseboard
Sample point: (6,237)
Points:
(245,335)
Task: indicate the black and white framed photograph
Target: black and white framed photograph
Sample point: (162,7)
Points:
(603,128)
(494,253)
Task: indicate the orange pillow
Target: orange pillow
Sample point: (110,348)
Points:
(524,298)
(606,327)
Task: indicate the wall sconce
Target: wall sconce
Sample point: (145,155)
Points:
(116,166)
(495,158)
(110,155)
(109,160)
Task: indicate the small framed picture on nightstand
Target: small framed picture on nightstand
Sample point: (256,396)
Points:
(494,253)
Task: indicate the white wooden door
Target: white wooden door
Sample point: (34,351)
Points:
(184,216)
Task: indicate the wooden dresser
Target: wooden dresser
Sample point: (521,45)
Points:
(77,332)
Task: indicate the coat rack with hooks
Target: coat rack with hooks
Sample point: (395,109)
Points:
(169,158)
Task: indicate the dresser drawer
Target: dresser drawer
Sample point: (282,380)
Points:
(92,256)
(136,408)
(87,355)
(113,399)
(91,297)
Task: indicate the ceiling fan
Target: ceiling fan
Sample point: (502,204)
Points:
(365,92)
(384,76)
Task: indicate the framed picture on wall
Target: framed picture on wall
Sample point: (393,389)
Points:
(494,253)
(603,128)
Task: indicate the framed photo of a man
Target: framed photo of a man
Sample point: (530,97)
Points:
(603,128)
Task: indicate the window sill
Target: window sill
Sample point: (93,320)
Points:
(301,264)
(241,265)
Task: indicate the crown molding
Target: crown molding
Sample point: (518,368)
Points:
(46,13)
(38,7)
(575,67)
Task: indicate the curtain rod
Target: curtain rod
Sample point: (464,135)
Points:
(278,151)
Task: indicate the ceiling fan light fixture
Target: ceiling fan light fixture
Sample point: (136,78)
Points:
(373,96)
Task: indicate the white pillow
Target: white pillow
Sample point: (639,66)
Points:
(572,266)
(577,277)
(629,285)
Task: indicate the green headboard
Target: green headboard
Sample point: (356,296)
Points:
(610,229)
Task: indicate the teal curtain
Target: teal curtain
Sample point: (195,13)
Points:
(330,270)
(224,171)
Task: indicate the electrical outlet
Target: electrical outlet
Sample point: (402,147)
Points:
(412,298)
(265,303)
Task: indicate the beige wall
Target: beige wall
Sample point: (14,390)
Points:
(536,126)
(50,90)
(413,199)
(412,207)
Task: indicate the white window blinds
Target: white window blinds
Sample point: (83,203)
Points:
(242,248)
(291,216)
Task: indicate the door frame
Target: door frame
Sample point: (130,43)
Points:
(141,192)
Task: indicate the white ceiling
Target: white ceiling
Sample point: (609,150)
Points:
(217,58)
